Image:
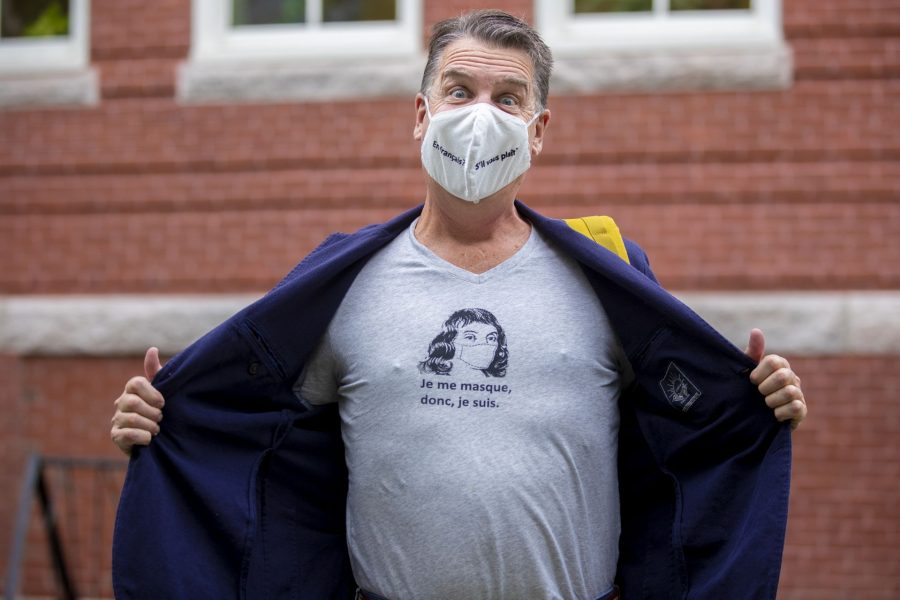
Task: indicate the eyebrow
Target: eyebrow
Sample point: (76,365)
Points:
(463,74)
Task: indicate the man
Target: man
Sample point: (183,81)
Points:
(615,410)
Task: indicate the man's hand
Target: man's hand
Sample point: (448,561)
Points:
(776,381)
(139,408)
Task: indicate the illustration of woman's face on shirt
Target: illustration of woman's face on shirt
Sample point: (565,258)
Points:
(476,345)
(471,338)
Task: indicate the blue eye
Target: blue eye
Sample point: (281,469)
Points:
(459,94)
(508,101)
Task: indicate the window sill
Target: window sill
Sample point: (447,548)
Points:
(278,81)
(652,70)
(61,89)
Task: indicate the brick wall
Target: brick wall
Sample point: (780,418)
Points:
(844,521)
(793,189)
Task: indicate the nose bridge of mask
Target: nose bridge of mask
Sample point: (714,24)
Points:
(487,108)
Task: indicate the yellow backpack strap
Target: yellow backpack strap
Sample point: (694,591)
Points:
(604,231)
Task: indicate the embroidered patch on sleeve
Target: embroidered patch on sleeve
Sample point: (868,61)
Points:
(678,389)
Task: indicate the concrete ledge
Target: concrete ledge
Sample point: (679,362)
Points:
(279,81)
(806,323)
(795,323)
(110,325)
(676,70)
(80,88)
(617,71)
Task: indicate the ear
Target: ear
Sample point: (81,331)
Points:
(421,115)
(540,127)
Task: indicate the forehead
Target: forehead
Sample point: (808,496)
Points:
(490,64)
(478,327)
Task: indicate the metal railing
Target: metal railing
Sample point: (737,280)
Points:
(74,495)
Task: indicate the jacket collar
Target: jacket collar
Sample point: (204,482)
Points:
(301,308)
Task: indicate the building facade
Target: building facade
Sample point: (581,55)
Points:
(163,164)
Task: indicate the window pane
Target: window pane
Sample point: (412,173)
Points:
(267,12)
(359,10)
(34,18)
(613,6)
(709,4)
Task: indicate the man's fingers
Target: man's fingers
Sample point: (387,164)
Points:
(126,438)
(768,365)
(785,395)
(143,388)
(139,408)
(151,363)
(794,411)
(132,403)
(777,380)
(134,421)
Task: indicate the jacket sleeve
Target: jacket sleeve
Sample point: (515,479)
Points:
(242,493)
(704,467)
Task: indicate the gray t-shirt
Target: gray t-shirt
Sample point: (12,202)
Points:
(479,415)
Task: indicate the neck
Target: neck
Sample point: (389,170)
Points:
(475,237)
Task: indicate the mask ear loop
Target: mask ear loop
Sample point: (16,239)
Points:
(531,121)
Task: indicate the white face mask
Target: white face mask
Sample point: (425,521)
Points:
(477,356)
(476,150)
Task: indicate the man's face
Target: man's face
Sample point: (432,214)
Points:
(470,71)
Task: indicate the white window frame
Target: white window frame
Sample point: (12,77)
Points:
(660,28)
(663,49)
(50,71)
(300,62)
(215,39)
(36,55)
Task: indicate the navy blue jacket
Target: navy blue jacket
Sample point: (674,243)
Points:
(242,494)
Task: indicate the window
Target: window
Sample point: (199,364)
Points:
(270,12)
(302,49)
(243,29)
(652,44)
(40,36)
(44,54)
(621,6)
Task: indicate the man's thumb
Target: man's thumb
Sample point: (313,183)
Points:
(756,346)
(151,363)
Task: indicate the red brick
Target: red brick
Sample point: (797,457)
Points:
(740,190)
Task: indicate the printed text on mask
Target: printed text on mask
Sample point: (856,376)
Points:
(501,157)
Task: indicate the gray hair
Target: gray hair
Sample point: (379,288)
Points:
(496,28)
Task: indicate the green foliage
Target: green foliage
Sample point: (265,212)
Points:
(293,11)
(52,21)
(612,6)
(709,4)
(267,12)
(359,10)
(617,6)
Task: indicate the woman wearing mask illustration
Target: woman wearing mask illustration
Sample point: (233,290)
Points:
(471,338)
